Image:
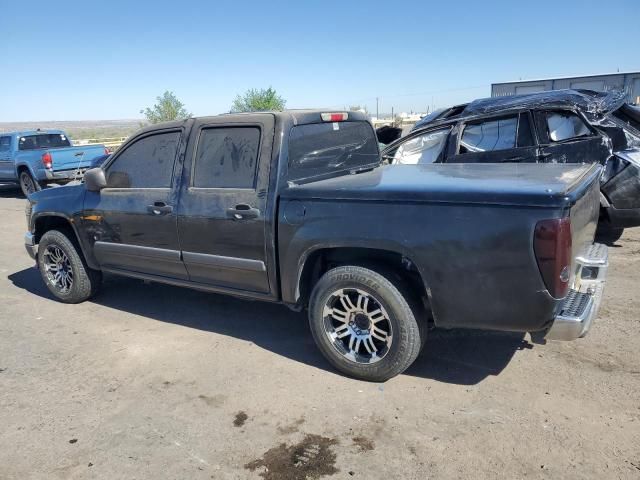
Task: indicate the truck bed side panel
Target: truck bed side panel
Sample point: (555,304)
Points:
(476,260)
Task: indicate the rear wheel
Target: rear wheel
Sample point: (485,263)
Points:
(27,184)
(364,324)
(64,270)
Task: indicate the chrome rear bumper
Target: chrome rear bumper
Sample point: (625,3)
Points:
(581,305)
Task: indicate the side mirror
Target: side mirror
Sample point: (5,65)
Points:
(95,180)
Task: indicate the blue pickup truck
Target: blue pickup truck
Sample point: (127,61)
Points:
(38,157)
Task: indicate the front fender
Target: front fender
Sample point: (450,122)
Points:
(66,204)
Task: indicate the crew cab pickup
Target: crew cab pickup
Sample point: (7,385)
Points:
(295,207)
(38,157)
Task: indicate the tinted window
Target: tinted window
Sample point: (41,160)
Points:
(565,125)
(146,163)
(525,137)
(422,149)
(226,157)
(43,140)
(498,134)
(5,143)
(319,148)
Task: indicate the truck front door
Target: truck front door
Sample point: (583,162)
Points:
(132,222)
(223,222)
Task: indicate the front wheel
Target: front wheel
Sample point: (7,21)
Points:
(64,270)
(364,324)
(27,184)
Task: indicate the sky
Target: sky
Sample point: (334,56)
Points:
(78,60)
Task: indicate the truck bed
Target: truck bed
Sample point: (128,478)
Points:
(544,185)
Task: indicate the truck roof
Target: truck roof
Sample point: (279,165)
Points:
(22,133)
(296,117)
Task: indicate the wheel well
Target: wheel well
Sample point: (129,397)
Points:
(44,224)
(321,261)
(22,168)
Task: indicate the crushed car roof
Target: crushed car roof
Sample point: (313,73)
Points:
(589,101)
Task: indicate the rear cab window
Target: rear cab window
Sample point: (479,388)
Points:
(323,148)
(43,141)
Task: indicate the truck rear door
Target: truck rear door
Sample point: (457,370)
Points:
(7,167)
(222,217)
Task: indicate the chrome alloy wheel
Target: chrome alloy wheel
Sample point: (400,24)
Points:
(357,325)
(58,268)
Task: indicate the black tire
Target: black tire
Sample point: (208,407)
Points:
(607,234)
(403,318)
(85,281)
(27,184)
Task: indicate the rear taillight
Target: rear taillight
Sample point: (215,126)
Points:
(46,160)
(334,116)
(552,246)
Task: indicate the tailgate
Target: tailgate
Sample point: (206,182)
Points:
(74,157)
(584,216)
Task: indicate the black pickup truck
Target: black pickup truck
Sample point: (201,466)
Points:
(295,207)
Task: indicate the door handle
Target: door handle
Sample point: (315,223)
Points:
(242,211)
(159,208)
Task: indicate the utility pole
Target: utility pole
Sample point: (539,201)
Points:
(377,112)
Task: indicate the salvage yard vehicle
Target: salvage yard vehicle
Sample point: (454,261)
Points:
(37,157)
(295,207)
(560,126)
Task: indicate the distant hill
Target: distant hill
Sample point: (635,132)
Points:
(80,128)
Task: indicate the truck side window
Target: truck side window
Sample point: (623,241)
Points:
(146,163)
(226,157)
(5,144)
(423,149)
(489,135)
(565,125)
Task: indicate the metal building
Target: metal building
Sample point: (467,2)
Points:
(628,82)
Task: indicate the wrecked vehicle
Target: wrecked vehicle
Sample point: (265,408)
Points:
(295,207)
(560,126)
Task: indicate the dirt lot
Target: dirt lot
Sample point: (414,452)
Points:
(151,381)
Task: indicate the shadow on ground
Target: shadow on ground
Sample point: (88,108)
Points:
(463,357)
(10,191)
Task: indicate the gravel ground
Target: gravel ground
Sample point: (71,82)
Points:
(152,381)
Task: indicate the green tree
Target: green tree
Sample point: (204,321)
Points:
(255,100)
(167,108)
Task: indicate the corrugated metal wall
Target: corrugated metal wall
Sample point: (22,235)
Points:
(627,82)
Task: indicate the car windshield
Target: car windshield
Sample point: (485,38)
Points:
(43,140)
(321,148)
